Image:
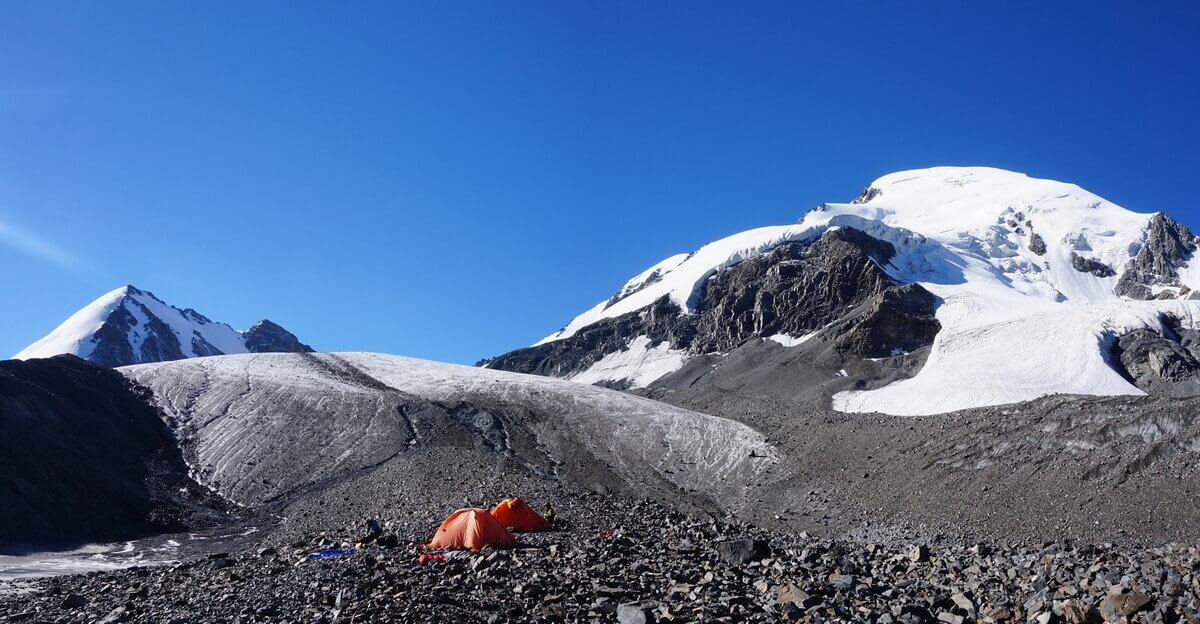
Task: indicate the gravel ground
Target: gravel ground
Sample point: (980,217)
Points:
(636,561)
(1092,469)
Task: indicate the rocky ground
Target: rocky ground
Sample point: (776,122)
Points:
(635,561)
(1091,469)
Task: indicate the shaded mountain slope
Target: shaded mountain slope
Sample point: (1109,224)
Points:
(83,457)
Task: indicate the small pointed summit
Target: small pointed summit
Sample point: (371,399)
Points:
(129,325)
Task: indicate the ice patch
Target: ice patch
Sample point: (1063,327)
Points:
(788,340)
(641,364)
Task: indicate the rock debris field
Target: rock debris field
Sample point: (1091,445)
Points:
(634,562)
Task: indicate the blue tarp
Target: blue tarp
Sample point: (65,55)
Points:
(332,552)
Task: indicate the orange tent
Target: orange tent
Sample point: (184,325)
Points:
(516,515)
(472,529)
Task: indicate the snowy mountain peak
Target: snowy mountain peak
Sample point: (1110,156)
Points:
(1031,280)
(129,325)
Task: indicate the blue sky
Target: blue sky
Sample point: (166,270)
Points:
(456,181)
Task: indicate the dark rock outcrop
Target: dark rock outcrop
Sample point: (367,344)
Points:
(867,195)
(84,457)
(1168,246)
(112,346)
(1165,363)
(1091,265)
(1037,244)
(899,320)
(796,288)
(793,289)
(267,337)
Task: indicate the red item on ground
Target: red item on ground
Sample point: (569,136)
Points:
(423,558)
(471,529)
(518,516)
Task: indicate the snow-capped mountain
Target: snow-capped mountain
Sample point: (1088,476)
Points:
(1019,287)
(132,326)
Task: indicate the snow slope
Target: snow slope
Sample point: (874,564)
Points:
(640,364)
(1019,321)
(142,322)
(1015,325)
(74,335)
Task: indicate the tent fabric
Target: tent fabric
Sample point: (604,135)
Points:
(472,529)
(518,516)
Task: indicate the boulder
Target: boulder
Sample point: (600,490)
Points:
(742,551)
(631,614)
(1117,606)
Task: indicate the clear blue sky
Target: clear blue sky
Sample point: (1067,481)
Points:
(455,180)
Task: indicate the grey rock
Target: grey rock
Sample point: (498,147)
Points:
(1091,265)
(742,551)
(1117,606)
(73,601)
(120,614)
(1037,245)
(631,614)
(791,594)
(1161,364)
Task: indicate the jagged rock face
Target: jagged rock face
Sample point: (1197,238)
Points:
(795,289)
(1161,363)
(1168,246)
(267,337)
(84,457)
(898,320)
(866,195)
(112,346)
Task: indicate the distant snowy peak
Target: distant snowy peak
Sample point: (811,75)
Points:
(132,326)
